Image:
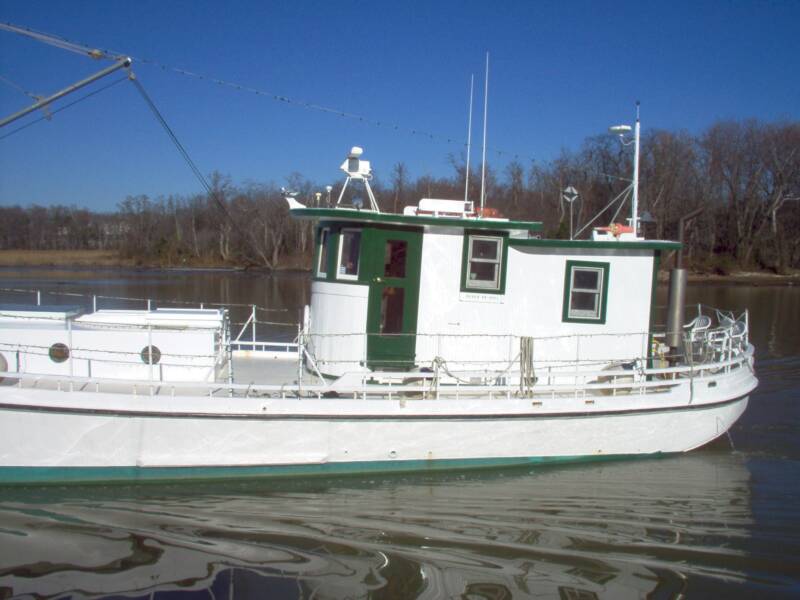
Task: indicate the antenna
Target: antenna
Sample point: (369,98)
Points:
(469,138)
(635,200)
(485,111)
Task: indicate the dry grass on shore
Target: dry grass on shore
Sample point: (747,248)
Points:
(61,258)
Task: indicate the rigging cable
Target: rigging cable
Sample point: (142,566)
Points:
(57,41)
(246,234)
(160,118)
(19,88)
(66,106)
(80,48)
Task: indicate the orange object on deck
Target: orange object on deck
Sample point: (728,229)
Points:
(617,229)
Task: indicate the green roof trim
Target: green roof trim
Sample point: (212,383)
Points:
(367,216)
(633,245)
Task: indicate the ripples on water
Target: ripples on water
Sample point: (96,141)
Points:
(613,529)
(715,522)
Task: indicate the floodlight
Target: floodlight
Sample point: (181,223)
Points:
(355,152)
(620,129)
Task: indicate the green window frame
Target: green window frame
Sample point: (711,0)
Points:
(323,241)
(478,260)
(585,292)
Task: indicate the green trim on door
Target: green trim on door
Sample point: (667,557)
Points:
(395,350)
(465,261)
(605,267)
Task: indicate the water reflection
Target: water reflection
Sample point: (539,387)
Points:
(287,293)
(711,523)
(615,529)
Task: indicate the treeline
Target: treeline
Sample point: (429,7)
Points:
(745,174)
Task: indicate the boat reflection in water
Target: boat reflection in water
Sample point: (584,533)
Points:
(608,529)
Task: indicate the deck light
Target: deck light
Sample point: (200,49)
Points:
(621,130)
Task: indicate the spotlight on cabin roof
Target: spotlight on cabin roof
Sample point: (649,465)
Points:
(356,152)
(620,129)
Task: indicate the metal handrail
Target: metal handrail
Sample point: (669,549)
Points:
(695,370)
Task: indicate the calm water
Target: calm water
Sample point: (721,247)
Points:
(719,522)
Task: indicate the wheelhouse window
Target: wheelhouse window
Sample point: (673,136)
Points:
(585,292)
(349,249)
(322,255)
(484,262)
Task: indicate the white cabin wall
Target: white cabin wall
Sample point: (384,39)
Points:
(115,353)
(535,280)
(476,326)
(443,309)
(337,309)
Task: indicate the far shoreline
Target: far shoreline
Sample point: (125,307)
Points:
(110,259)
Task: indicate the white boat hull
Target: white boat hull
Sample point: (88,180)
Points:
(46,435)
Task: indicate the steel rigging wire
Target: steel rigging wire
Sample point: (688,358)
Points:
(79,48)
(246,234)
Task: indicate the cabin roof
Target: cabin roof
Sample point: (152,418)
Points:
(368,216)
(626,245)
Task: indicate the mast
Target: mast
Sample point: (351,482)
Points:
(635,200)
(469,138)
(485,112)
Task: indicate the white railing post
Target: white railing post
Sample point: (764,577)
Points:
(94,303)
(253,318)
(150,347)
(38,298)
(70,352)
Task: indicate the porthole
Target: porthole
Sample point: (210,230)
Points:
(3,365)
(150,355)
(59,352)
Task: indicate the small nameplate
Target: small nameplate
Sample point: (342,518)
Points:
(485,298)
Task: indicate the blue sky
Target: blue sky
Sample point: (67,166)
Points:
(560,71)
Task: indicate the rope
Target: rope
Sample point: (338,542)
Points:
(527,372)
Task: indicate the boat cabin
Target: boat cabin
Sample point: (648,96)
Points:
(396,292)
(164,344)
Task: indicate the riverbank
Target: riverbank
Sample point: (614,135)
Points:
(111,259)
(63,258)
(754,278)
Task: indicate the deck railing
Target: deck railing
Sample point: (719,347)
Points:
(714,341)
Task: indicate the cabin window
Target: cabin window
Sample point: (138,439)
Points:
(392,310)
(585,292)
(394,258)
(151,355)
(349,248)
(484,264)
(322,257)
(58,352)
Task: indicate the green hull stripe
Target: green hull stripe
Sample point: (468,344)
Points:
(26,475)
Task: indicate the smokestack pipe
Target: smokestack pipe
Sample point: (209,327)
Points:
(677,287)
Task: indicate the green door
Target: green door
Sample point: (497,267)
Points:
(393,259)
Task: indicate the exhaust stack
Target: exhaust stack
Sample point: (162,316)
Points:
(677,288)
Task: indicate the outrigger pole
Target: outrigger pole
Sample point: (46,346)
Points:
(122,63)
